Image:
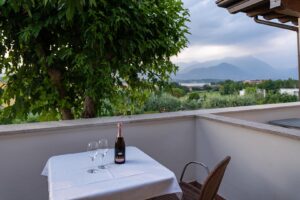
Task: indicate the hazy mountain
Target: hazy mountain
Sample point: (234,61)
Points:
(221,71)
(234,68)
(185,65)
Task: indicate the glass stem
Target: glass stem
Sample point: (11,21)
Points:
(101,162)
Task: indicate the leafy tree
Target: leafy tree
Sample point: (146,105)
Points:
(230,87)
(162,103)
(76,57)
(250,90)
(194,96)
(290,83)
(177,92)
(191,104)
(279,98)
(207,88)
(219,101)
(269,85)
(175,89)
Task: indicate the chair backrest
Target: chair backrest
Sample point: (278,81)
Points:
(212,183)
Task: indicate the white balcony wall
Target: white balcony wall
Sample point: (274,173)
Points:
(264,165)
(265,114)
(23,155)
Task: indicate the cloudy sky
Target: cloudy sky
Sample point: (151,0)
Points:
(217,34)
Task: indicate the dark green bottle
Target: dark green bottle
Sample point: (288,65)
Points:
(120,148)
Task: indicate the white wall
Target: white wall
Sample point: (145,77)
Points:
(265,115)
(263,166)
(23,156)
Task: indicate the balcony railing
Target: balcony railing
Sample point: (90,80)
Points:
(265,159)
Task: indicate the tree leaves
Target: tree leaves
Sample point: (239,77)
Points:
(2,2)
(109,50)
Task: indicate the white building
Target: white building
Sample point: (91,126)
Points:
(195,85)
(242,92)
(289,91)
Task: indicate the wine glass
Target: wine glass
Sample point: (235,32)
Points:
(103,149)
(92,150)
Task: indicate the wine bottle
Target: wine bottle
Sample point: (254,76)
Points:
(120,147)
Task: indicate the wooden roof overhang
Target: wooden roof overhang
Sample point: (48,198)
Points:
(284,11)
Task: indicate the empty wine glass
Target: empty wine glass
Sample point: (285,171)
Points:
(103,149)
(92,150)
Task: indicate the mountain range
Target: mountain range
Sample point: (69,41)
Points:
(240,68)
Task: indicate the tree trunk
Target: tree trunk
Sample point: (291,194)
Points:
(89,108)
(56,78)
(66,114)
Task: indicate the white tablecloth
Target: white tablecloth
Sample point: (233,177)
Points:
(141,177)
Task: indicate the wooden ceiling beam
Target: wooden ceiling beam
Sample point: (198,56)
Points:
(285,19)
(295,22)
(291,4)
(260,11)
(290,8)
(225,3)
(272,15)
(245,5)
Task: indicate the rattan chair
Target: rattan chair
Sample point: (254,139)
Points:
(194,190)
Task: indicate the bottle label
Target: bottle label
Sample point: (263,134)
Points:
(119,159)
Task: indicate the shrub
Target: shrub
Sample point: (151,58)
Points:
(218,101)
(177,92)
(191,104)
(194,96)
(279,98)
(162,103)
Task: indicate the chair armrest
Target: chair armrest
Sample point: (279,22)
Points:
(196,163)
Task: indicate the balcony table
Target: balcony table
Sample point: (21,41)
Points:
(141,177)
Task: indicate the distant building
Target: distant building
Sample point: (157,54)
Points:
(289,91)
(253,81)
(242,92)
(194,85)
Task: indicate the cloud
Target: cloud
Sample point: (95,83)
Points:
(209,52)
(216,34)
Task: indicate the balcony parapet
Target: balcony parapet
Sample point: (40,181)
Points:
(40,127)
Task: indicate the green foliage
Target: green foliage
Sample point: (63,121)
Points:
(194,96)
(177,92)
(176,89)
(229,87)
(1,93)
(76,57)
(191,104)
(208,88)
(279,98)
(162,103)
(129,103)
(271,85)
(31,118)
(250,90)
(218,101)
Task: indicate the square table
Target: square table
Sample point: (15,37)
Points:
(141,177)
